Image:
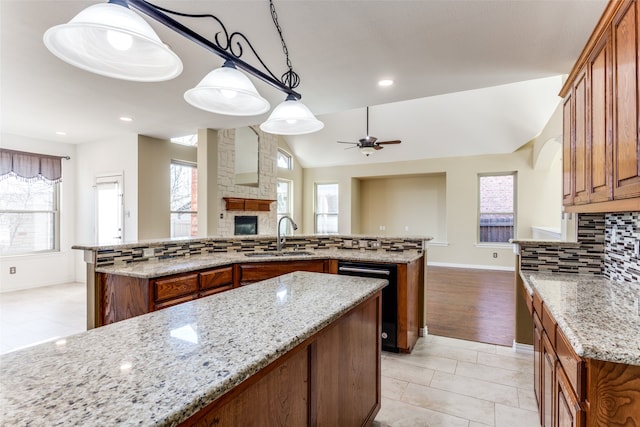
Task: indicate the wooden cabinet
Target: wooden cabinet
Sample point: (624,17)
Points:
(601,150)
(548,382)
(568,410)
(174,290)
(626,165)
(255,271)
(214,281)
(558,372)
(123,297)
(331,379)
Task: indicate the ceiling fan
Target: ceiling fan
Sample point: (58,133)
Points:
(369,144)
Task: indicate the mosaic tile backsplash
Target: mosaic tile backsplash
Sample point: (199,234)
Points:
(128,253)
(621,260)
(607,247)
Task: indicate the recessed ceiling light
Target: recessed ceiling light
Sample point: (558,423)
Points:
(61,133)
(126,119)
(385,82)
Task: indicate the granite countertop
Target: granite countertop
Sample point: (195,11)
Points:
(160,368)
(165,267)
(599,317)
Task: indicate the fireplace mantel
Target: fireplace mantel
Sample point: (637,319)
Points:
(242,204)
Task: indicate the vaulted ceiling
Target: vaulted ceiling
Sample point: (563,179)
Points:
(471,76)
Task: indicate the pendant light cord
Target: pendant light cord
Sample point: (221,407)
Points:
(290,78)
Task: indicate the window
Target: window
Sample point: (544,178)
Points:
(326,208)
(284,204)
(29,216)
(188,140)
(284,160)
(497,215)
(184,199)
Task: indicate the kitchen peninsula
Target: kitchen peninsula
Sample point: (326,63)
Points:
(128,280)
(282,349)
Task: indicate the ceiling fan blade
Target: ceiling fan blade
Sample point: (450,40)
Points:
(377,147)
(395,141)
(349,148)
(347,142)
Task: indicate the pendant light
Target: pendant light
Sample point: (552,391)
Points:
(291,117)
(112,40)
(227,90)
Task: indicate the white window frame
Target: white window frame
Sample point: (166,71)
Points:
(55,233)
(317,212)
(514,212)
(171,212)
(289,158)
(289,212)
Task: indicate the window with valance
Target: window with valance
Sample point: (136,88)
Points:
(29,202)
(30,166)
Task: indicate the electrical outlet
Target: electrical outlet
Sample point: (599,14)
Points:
(495,254)
(12,270)
(636,248)
(376,244)
(147,252)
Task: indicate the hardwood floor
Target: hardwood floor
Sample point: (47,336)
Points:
(475,305)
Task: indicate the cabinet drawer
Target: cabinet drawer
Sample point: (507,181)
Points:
(175,301)
(216,278)
(254,272)
(174,287)
(572,364)
(549,324)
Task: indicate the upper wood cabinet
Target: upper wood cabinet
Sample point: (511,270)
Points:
(626,167)
(601,152)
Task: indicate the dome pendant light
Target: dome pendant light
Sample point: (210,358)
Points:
(112,40)
(228,91)
(291,117)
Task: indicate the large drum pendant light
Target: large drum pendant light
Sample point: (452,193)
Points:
(112,40)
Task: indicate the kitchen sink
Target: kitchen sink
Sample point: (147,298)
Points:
(272,254)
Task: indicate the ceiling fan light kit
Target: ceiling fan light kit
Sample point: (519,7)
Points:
(112,40)
(369,144)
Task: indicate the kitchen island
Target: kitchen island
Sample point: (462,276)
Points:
(132,279)
(299,349)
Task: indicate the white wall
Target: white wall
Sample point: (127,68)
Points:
(119,155)
(54,267)
(538,201)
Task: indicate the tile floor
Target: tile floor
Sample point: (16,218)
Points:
(450,382)
(42,314)
(444,382)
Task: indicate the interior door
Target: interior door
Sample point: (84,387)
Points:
(109,210)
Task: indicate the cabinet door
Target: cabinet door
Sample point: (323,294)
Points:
(537,360)
(599,143)
(580,170)
(548,382)
(567,152)
(568,410)
(626,151)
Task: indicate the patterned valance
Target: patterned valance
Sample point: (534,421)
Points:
(30,166)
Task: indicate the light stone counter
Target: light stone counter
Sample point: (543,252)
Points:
(599,317)
(160,368)
(165,267)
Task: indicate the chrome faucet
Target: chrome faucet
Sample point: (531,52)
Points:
(280,242)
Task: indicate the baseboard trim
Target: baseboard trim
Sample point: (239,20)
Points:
(522,348)
(470,266)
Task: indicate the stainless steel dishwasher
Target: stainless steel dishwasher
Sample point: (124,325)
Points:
(389,296)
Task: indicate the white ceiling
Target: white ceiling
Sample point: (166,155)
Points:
(472,76)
